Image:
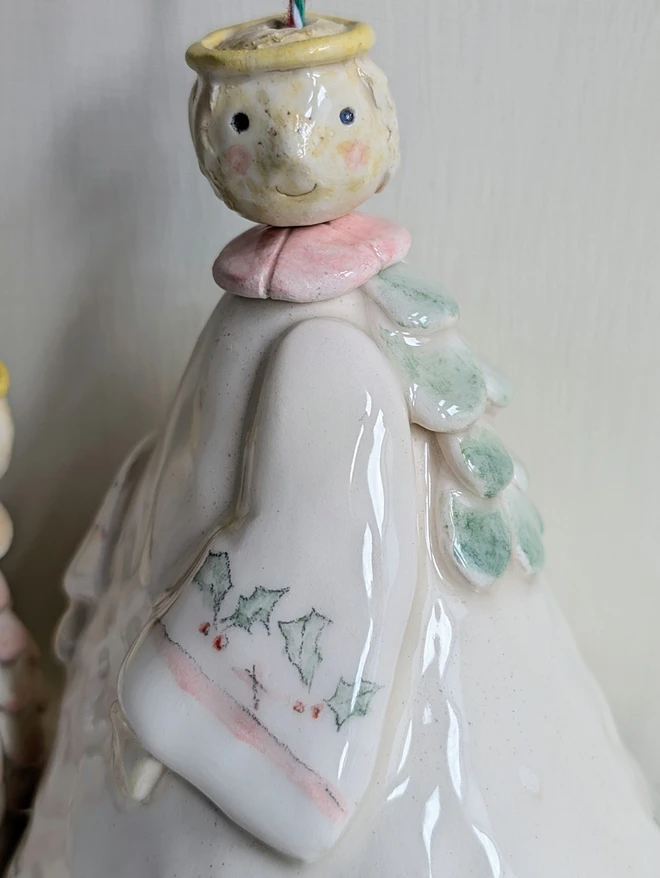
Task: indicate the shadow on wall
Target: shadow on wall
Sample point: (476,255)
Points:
(106,200)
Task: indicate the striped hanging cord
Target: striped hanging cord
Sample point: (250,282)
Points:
(297,13)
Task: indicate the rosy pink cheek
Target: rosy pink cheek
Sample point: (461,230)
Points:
(238,159)
(356,154)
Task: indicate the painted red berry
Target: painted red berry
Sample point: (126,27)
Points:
(219,642)
(316,710)
(299,707)
(204,628)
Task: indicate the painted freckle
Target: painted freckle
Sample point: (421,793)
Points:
(238,159)
(204,628)
(218,642)
(299,707)
(355,153)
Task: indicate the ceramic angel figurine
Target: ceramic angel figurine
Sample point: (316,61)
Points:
(21,685)
(308,635)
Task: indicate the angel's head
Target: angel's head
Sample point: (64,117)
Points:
(292,127)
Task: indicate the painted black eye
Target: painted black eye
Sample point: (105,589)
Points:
(240,122)
(347,116)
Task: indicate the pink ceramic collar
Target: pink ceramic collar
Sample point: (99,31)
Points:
(310,263)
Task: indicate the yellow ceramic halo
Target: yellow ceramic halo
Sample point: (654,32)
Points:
(209,56)
(4,380)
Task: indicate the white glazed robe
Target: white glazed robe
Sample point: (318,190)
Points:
(494,756)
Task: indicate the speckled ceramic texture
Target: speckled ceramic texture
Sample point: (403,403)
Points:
(467,769)
(295,147)
(308,635)
(268,649)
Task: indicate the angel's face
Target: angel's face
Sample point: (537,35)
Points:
(297,147)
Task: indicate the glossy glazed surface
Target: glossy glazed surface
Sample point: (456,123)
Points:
(279,654)
(498,756)
(315,599)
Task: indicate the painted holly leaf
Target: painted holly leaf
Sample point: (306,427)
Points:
(214,581)
(255,608)
(302,643)
(351,699)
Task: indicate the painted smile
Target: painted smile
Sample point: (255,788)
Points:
(295,194)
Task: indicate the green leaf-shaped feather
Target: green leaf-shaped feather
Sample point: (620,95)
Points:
(444,384)
(257,608)
(351,699)
(479,458)
(411,301)
(479,539)
(302,643)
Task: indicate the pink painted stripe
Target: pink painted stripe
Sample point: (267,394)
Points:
(247,728)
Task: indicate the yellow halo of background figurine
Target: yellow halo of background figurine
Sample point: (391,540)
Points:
(324,40)
(4,380)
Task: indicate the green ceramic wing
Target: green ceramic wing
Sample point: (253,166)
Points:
(486,517)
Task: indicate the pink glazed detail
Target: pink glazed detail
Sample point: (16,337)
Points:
(310,263)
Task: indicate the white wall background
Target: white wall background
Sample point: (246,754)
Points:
(531,183)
